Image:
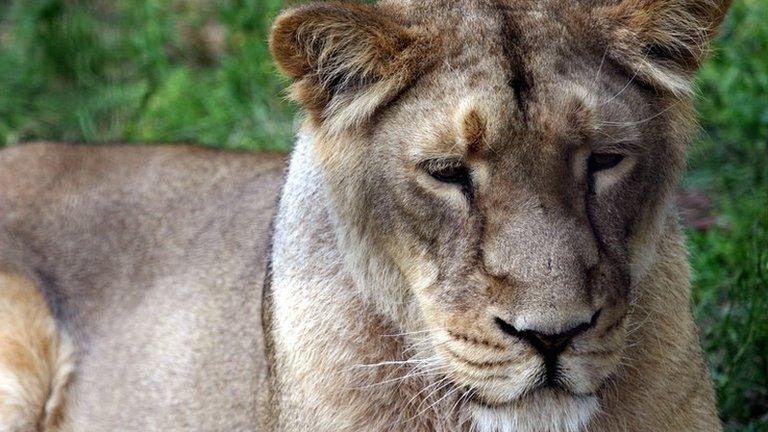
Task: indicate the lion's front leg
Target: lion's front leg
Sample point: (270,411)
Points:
(36,360)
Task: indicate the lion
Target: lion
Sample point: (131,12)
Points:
(475,232)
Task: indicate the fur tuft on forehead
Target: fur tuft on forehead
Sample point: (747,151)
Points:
(471,125)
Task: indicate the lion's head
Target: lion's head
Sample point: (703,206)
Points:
(501,171)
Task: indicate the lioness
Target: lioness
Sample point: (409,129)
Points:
(475,234)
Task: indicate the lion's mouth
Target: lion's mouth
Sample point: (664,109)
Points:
(546,384)
(555,391)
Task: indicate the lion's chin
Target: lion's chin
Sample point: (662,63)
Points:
(543,411)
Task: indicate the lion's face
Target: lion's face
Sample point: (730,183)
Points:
(518,185)
(511,164)
(514,218)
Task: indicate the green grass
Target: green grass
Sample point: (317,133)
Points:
(199,70)
(141,71)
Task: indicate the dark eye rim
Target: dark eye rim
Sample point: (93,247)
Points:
(448,171)
(451,175)
(451,172)
(603,161)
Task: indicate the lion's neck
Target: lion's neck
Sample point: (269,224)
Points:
(331,335)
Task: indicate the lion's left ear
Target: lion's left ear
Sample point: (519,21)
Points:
(662,42)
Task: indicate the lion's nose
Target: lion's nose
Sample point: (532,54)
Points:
(547,344)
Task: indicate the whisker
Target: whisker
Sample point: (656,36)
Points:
(437,385)
(600,68)
(634,123)
(411,333)
(461,399)
(396,380)
(631,80)
(389,363)
(442,398)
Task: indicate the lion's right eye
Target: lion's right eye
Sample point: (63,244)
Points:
(450,171)
(455,174)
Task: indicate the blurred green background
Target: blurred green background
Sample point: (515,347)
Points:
(199,71)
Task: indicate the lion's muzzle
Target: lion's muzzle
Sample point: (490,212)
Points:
(548,345)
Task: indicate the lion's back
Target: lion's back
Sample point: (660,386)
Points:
(153,259)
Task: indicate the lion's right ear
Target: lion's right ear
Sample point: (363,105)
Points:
(347,60)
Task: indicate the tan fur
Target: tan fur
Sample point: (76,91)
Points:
(438,263)
(36,360)
(447,254)
(152,259)
(472,128)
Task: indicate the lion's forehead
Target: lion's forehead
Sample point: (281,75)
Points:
(528,64)
(482,118)
(472,31)
(525,103)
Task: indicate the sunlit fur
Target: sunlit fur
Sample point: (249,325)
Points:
(36,360)
(392,293)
